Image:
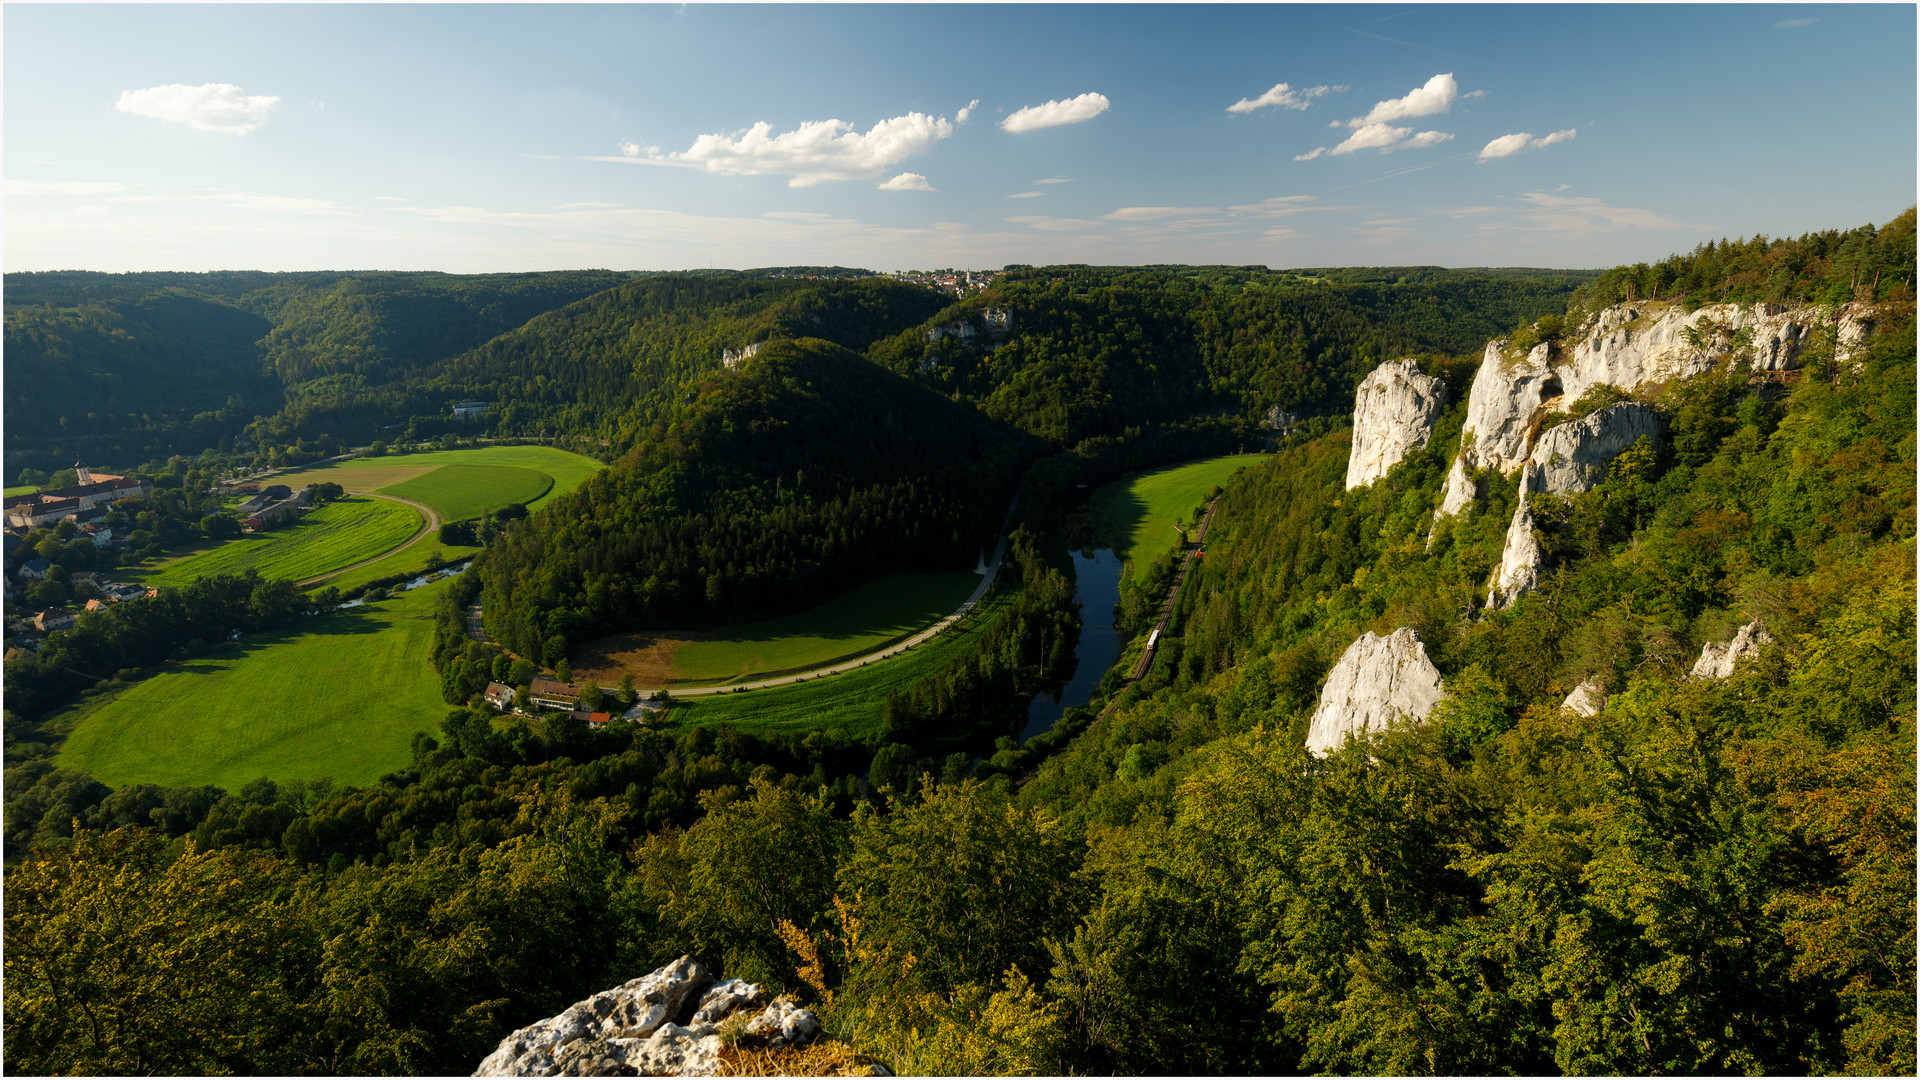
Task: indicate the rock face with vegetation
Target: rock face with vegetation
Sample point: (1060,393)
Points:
(1587,699)
(1520,559)
(1574,456)
(1393,412)
(662,1024)
(1377,681)
(1718,661)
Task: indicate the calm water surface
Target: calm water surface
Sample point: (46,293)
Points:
(1097,575)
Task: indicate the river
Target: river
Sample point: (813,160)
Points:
(1097,574)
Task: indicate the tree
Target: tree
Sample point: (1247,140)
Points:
(220,526)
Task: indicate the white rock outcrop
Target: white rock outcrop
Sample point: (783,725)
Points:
(1625,346)
(1393,413)
(661,1024)
(1587,699)
(1520,558)
(1575,455)
(1378,680)
(1718,661)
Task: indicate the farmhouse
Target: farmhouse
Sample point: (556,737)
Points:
(592,719)
(500,696)
(553,694)
(53,619)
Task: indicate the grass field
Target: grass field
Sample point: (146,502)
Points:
(1136,513)
(460,492)
(869,617)
(26,490)
(850,701)
(339,695)
(412,560)
(335,535)
(383,473)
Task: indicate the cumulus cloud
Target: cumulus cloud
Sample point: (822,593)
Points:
(1435,97)
(1056,113)
(1026,194)
(1284,96)
(908,181)
(961,116)
(1382,137)
(634,150)
(816,151)
(216,107)
(1509,145)
(1278,206)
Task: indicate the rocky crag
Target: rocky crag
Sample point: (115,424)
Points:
(1718,661)
(676,1021)
(1377,681)
(1393,414)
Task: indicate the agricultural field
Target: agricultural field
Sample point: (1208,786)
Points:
(849,701)
(460,492)
(26,489)
(1136,514)
(332,536)
(408,560)
(868,618)
(339,695)
(465,489)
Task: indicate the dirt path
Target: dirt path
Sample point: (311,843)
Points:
(432,526)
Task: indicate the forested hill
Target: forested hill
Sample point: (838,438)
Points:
(799,475)
(123,368)
(1092,351)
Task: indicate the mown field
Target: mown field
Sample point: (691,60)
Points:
(327,538)
(465,487)
(1136,514)
(870,617)
(339,695)
(460,492)
(850,701)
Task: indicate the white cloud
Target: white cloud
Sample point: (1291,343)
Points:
(217,107)
(1509,145)
(908,181)
(816,151)
(1278,206)
(1475,95)
(1435,97)
(1056,113)
(587,206)
(1055,180)
(1026,195)
(278,204)
(1052,224)
(1425,138)
(1156,213)
(634,150)
(961,116)
(1794,24)
(1317,151)
(1285,96)
(1382,137)
(63,187)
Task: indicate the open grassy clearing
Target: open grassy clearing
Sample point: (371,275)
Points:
(339,695)
(870,617)
(411,560)
(26,490)
(335,535)
(378,474)
(850,701)
(373,476)
(1136,513)
(460,492)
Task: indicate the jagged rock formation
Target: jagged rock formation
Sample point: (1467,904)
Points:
(1575,455)
(661,1024)
(1587,699)
(1393,413)
(1718,661)
(1625,346)
(1378,680)
(730,359)
(1520,558)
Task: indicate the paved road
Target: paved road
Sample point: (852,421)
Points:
(961,612)
(432,526)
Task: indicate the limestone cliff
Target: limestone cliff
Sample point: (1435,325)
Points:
(1393,413)
(1575,455)
(1378,680)
(666,1023)
(1587,699)
(1520,558)
(1718,661)
(1625,346)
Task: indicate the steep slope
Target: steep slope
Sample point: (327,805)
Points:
(796,476)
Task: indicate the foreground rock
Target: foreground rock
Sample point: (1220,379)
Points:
(1718,661)
(1393,414)
(1587,699)
(1378,680)
(662,1024)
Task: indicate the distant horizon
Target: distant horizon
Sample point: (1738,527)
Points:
(506,138)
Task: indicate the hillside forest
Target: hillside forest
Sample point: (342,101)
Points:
(1705,876)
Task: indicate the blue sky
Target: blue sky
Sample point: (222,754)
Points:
(506,137)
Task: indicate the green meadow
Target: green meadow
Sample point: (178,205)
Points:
(339,695)
(1136,514)
(567,470)
(460,491)
(849,701)
(327,538)
(870,617)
